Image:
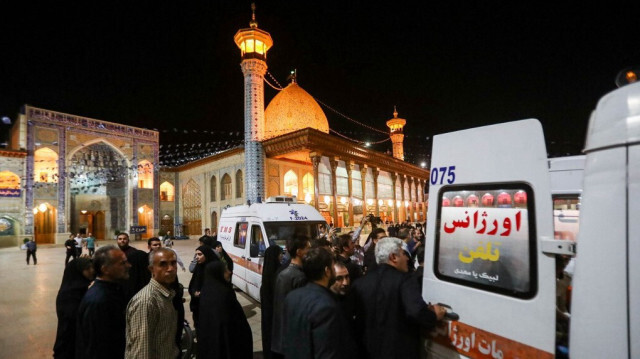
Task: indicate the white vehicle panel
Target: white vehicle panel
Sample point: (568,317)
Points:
(508,153)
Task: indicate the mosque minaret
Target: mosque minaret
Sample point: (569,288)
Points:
(397,136)
(254,44)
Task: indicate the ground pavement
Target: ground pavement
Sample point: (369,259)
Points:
(28,299)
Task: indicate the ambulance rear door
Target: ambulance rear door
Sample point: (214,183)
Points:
(490,215)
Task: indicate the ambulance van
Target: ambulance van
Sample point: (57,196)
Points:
(493,259)
(246,231)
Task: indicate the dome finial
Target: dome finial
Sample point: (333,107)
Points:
(293,76)
(253,23)
(395,112)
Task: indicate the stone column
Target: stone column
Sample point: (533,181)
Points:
(334,188)
(363,176)
(156,190)
(315,162)
(412,204)
(29,185)
(425,200)
(62,180)
(375,173)
(134,199)
(403,208)
(394,177)
(350,166)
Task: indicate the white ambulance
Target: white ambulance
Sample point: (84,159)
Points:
(490,235)
(246,231)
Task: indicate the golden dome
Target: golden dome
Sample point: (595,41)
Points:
(293,109)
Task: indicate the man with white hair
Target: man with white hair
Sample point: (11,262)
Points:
(389,309)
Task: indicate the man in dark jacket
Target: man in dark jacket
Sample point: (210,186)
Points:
(70,245)
(289,279)
(346,249)
(389,309)
(139,274)
(101,322)
(315,326)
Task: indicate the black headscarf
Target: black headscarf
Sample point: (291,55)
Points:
(215,272)
(223,331)
(270,271)
(195,285)
(74,286)
(74,283)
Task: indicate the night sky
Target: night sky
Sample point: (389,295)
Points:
(447,65)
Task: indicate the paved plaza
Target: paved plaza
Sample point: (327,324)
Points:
(28,299)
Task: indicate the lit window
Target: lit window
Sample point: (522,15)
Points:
(167,192)
(145,174)
(45,165)
(290,183)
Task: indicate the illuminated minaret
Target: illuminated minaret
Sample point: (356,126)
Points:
(254,44)
(397,136)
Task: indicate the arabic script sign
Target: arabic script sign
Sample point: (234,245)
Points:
(10,192)
(477,343)
(138,229)
(489,246)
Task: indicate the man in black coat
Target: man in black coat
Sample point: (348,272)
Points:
(389,309)
(100,330)
(346,249)
(139,275)
(315,326)
(288,279)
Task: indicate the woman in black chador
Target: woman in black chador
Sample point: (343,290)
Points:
(224,331)
(77,276)
(204,255)
(272,259)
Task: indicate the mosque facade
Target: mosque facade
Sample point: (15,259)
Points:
(65,174)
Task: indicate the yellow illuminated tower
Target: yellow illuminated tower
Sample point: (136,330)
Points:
(397,136)
(253,44)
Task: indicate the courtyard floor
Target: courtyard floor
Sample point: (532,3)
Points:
(28,299)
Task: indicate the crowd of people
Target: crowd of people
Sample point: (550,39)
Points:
(336,299)
(321,297)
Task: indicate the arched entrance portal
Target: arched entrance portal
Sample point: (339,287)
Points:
(44,223)
(145,218)
(166,224)
(92,223)
(98,177)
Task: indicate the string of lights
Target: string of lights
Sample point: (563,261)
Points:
(349,118)
(272,86)
(274,79)
(358,141)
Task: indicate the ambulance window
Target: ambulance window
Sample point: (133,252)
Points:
(257,241)
(489,245)
(240,238)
